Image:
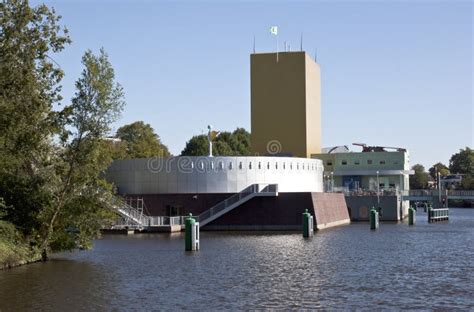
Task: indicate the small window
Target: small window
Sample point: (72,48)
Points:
(212,165)
(297,166)
(240,165)
(284,166)
(259,165)
(201,165)
(382,162)
(329,163)
(268,165)
(356,162)
(369,161)
(276,165)
(221,165)
(344,162)
(291,166)
(230,166)
(250,165)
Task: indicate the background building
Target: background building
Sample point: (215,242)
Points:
(285,104)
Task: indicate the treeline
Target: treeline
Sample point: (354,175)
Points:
(460,163)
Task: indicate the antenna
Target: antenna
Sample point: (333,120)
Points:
(284,44)
(254,44)
(316,55)
(301,42)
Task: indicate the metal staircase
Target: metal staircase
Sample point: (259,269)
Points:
(133,217)
(236,200)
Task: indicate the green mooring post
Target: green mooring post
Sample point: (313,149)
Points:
(188,232)
(307,224)
(411,216)
(374,219)
(429,213)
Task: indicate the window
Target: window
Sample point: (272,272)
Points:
(221,165)
(250,165)
(382,162)
(240,165)
(276,165)
(259,165)
(230,166)
(356,162)
(369,161)
(268,165)
(297,166)
(344,162)
(291,166)
(329,163)
(284,166)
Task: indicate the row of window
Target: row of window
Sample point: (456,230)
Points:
(357,162)
(283,165)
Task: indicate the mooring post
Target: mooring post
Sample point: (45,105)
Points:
(374,219)
(308,228)
(191,234)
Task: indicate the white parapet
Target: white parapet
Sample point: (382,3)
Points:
(189,175)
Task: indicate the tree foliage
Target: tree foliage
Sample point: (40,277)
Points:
(235,143)
(78,191)
(51,160)
(438,167)
(463,163)
(420,179)
(29,87)
(139,141)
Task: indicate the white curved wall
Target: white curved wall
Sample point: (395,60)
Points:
(186,175)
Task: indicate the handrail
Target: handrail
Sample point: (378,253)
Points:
(240,197)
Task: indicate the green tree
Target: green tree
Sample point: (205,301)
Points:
(80,194)
(236,143)
(438,167)
(420,179)
(141,141)
(29,87)
(463,163)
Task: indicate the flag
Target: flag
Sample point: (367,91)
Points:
(274,30)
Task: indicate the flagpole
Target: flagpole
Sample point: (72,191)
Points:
(277,47)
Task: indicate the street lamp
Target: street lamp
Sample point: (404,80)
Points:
(378,188)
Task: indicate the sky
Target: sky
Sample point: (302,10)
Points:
(394,73)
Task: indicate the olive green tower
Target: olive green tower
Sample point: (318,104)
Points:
(285,104)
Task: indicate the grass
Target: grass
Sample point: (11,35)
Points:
(14,250)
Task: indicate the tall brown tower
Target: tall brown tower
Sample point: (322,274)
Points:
(285,104)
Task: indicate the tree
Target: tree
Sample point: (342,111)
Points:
(80,194)
(420,179)
(29,87)
(438,167)
(141,141)
(236,143)
(462,162)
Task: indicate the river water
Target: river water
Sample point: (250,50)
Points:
(426,266)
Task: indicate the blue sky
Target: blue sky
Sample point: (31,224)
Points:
(394,73)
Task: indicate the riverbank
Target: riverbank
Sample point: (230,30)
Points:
(14,250)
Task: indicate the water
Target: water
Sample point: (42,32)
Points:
(427,266)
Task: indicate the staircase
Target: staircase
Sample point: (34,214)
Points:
(134,217)
(236,200)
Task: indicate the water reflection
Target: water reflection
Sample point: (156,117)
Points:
(399,267)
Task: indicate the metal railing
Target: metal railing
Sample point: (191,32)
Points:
(133,217)
(237,199)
